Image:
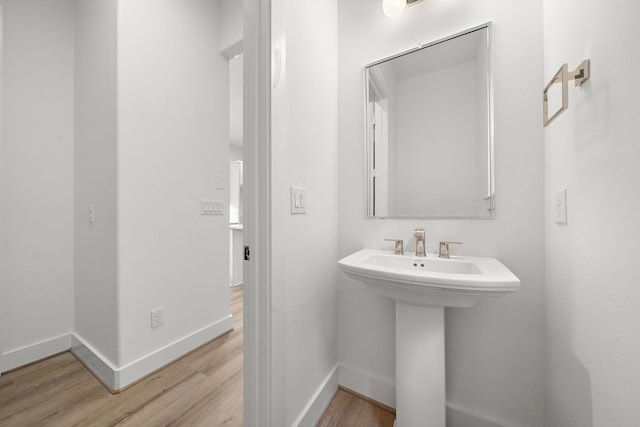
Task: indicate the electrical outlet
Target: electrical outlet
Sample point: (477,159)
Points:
(157,317)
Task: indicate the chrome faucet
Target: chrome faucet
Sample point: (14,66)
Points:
(419,235)
(398,246)
(444,248)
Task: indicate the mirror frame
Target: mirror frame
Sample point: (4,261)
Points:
(490,127)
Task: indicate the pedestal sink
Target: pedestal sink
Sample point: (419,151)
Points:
(422,287)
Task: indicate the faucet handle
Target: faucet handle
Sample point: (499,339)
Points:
(444,248)
(418,232)
(398,246)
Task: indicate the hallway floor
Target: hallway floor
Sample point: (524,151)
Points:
(203,388)
(348,409)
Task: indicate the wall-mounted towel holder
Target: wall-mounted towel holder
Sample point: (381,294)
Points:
(579,75)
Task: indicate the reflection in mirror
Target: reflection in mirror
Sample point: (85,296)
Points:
(429,131)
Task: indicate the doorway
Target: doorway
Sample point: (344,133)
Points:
(256,237)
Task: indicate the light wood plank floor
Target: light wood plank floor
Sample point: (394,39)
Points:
(348,409)
(202,389)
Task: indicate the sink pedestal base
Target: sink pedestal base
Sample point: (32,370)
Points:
(420,366)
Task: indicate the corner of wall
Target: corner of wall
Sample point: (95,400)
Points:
(368,385)
(94,361)
(316,406)
(116,378)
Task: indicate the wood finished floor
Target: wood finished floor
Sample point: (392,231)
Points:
(349,410)
(202,389)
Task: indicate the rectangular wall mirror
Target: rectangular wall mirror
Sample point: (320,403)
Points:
(429,130)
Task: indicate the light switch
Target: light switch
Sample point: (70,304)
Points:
(298,200)
(560,206)
(211,207)
(92,213)
(219,183)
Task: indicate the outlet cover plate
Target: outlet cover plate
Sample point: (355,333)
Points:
(560,206)
(157,317)
(211,207)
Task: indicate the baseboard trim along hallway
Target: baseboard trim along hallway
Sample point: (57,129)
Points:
(116,379)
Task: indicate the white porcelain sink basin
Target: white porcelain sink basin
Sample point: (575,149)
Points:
(422,287)
(430,281)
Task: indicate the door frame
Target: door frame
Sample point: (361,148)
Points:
(378,158)
(257,212)
(2,219)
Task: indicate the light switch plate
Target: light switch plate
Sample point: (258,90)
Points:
(219,183)
(92,213)
(211,207)
(560,206)
(298,200)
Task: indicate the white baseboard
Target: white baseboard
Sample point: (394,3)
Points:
(457,416)
(118,378)
(367,385)
(94,361)
(137,369)
(34,352)
(311,414)
(113,377)
(385,392)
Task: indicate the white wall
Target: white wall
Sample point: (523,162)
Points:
(161,104)
(304,250)
(391,84)
(230,27)
(236,67)
(495,350)
(2,184)
(235,153)
(172,143)
(440,101)
(483,126)
(95,179)
(37,177)
(592,292)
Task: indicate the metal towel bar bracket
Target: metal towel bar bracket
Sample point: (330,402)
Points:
(579,76)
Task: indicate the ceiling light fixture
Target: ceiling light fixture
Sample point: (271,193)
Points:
(393,8)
